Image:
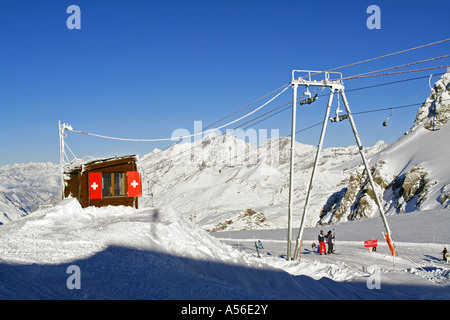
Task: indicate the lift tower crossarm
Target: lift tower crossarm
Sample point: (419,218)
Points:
(310,78)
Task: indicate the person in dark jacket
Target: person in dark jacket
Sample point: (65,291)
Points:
(330,238)
(321,239)
(444,254)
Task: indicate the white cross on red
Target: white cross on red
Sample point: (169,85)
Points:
(94,186)
(134,184)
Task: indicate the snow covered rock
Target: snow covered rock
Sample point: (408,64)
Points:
(435,111)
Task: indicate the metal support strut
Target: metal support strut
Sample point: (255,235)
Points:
(291,174)
(61,156)
(310,185)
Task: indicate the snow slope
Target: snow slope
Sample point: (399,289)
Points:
(425,146)
(124,253)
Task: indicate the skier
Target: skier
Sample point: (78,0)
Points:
(260,245)
(321,239)
(330,238)
(444,254)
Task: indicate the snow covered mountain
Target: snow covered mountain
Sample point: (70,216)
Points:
(224,183)
(26,187)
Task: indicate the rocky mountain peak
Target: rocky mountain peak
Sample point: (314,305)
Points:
(435,111)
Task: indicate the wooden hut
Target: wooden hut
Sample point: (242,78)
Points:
(102,182)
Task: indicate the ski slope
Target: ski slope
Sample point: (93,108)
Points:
(149,253)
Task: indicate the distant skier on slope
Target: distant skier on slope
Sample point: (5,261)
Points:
(260,245)
(330,238)
(321,239)
(444,254)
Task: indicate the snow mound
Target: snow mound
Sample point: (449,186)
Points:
(67,223)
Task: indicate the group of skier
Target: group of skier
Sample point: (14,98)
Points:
(328,238)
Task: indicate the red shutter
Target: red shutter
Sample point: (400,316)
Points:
(95,185)
(134,184)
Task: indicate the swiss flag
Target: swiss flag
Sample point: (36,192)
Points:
(95,185)
(134,184)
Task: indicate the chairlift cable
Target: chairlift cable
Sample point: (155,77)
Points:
(396,67)
(341,67)
(398,72)
(337,68)
(182,137)
(384,56)
(246,106)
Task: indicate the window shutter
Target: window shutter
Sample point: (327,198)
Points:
(95,185)
(134,184)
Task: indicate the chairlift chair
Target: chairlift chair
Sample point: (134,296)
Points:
(385,122)
(338,118)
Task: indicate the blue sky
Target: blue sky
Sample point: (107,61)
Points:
(141,69)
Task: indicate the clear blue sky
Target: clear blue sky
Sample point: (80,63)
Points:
(142,69)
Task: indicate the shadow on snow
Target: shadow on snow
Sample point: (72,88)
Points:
(129,273)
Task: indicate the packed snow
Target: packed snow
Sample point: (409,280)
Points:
(150,253)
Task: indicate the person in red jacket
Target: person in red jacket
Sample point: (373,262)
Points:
(321,239)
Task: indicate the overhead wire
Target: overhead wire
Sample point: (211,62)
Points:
(396,67)
(383,56)
(398,72)
(182,137)
(246,106)
(284,86)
